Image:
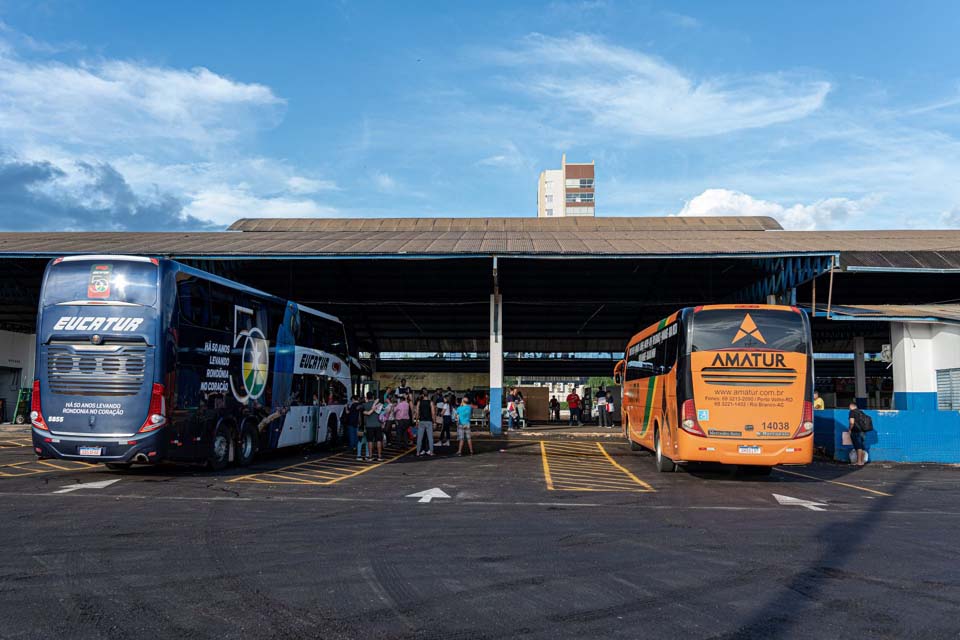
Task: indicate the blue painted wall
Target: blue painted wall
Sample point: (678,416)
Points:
(897,436)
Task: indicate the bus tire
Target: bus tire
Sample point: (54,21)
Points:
(118,466)
(664,464)
(21,419)
(219,454)
(626,432)
(246,445)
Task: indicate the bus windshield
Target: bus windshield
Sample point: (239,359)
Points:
(756,329)
(84,282)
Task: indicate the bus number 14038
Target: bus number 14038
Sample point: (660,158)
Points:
(776,426)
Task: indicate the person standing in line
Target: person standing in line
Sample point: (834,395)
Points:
(464,413)
(818,402)
(609,412)
(371,423)
(858,423)
(403,389)
(386,394)
(425,413)
(445,409)
(401,418)
(354,427)
(386,415)
(573,402)
(554,409)
(521,408)
(511,410)
(602,407)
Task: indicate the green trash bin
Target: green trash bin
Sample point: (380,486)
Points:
(21,415)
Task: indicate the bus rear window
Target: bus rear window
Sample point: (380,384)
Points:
(748,329)
(108,281)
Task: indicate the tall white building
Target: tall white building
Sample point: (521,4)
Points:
(567,191)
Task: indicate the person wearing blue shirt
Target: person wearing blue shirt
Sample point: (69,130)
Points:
(464,413)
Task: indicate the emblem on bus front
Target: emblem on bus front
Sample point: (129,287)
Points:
(748,328)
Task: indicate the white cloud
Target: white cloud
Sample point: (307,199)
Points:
(828,213)
(511,157)
(633,93)
(383,181)
(951,218)
(681,20)
(224,204)
(101,102)
(164,134)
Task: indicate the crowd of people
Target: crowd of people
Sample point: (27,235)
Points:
(401,417)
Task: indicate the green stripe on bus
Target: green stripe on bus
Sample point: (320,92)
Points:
(651,389)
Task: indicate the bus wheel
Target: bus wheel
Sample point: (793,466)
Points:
(633,445)
(219,454)
(21,419)
(247,447)
(664,464)
(118,466)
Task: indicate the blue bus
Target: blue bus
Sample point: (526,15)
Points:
(141,360)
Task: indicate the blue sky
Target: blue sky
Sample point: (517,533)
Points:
(169,116)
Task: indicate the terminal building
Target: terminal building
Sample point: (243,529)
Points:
(559,296)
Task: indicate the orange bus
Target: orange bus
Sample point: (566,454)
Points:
(721,383)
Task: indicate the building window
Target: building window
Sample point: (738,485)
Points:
(948,389)
(549,212)
(549,198)
(580,197)
(579,183)
(579,211)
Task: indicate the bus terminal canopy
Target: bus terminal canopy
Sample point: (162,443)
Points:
(570,284)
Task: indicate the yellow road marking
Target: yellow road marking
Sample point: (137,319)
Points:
(586,466)
(37,467)
(837,482)
(15,442)
(624,469)
(546,465)
(323,472)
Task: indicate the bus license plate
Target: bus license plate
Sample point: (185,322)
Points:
(747,448)
(91,451)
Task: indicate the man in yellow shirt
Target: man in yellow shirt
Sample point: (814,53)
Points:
(818,402)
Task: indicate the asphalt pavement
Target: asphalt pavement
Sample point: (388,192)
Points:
(535,537)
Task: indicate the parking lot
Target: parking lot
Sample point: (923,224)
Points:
(538,537)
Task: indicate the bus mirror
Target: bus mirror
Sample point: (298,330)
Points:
(616,378)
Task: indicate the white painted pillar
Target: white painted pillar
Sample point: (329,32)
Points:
(496,364)
(860,372)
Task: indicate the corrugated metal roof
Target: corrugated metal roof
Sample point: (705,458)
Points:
(595,237)
(918,312)
(580,223)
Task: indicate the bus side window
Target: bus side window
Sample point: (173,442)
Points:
(667,353)
(221,309)
(194,302)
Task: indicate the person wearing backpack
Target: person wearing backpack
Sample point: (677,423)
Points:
(860,424)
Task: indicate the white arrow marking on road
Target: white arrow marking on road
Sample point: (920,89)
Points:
(102,484)
(429,494)
(797,502)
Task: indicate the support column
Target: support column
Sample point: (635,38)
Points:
(860,372)
(496,365)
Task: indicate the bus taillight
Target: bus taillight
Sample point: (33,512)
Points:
(806,427)
(36,413)
(689,419)
(155,416)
